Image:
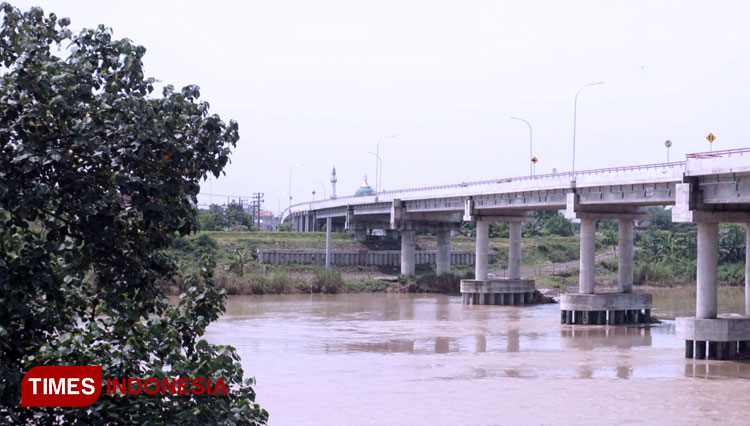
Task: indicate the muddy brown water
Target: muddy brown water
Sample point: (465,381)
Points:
(402,359)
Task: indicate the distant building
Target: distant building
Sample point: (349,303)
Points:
(268,221)
(364,189)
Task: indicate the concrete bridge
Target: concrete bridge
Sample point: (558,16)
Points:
(706,189)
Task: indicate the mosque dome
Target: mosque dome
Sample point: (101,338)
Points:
(364,189)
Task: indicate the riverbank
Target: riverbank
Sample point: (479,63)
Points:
(551,261)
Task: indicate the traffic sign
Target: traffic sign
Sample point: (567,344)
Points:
(534,160)
(711,137)
(668,143)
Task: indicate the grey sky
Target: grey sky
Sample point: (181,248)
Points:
(319,82)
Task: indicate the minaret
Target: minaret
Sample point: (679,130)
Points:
(333,183)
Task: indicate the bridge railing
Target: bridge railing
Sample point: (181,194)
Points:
(394,193)
(722,153)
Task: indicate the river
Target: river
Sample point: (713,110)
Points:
(405,359)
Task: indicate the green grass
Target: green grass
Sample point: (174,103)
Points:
(551,281)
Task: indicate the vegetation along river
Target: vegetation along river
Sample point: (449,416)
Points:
(426,359)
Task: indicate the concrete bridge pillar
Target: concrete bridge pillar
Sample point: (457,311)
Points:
(747,269)
(625,256)
(443,257)
(514,254)
(329,225)
(408,245)
(483,247)
(708,264)
(588,259)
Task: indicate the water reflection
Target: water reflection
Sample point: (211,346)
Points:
(360,351)
(393,346)
(480,343)
(717,370)
(589,338)
(442,345)
(624,371)
(680,302)
(514,340)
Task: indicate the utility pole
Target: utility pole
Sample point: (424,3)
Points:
(257,199)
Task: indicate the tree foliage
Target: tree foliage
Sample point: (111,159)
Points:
(97,177)
(224,218)
(558,225)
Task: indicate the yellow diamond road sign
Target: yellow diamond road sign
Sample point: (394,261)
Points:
(534,160)
(710,137)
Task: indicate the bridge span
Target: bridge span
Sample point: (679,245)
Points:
(707,189)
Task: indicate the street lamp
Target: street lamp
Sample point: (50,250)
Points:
(379,164)
(531,152)
(290,183)
(278,203)
(575,112)
(322,186)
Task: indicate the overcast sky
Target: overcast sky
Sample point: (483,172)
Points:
(320,82)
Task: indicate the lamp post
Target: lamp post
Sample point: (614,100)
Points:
(531,151)
(575,113)
(379,164)
(290,183)
(278,203)
(322,186)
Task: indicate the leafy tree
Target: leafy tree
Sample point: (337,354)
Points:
(731,244)
(239,259)
(499,230)
(660,218)
(284,227)
(558,225)
(97,177)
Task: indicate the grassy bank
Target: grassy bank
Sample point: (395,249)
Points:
(240,273)
(536,251)
(645,274)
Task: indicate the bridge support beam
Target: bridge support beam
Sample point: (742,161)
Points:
(588,259)
(483,247)
(707,272)
(514,254)
(625,256)
(443,256)
(408,246)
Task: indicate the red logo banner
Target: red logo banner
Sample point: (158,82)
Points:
(61,386)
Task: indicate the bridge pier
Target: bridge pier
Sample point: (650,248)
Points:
(329,225)
(588,307)
(443,255)
(588,256)
(485,291)
(707,274)
(482,247)
(710,334)
(514,252)
(408,246)
(625,256)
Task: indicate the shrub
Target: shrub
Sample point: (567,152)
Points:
(653,273)
(732,273)
(558,252)
(327,281)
